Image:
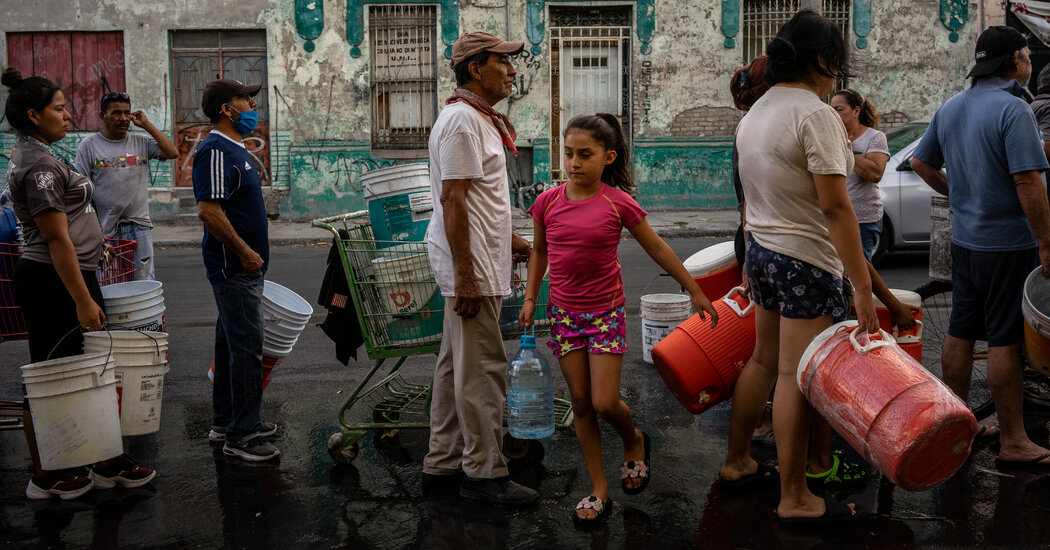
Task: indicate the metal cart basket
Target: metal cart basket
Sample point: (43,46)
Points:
(401,313)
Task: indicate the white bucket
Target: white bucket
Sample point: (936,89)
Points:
(277,340)
(138,305)
(711,259)
(1035,307)
(129,347)
(661,313)
(131,292)
(140,390)
(75,411)
(141,363)
(404,279)
(399,201)
(283,304)
(275,350)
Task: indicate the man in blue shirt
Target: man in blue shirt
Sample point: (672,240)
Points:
(988,140)
(236,251)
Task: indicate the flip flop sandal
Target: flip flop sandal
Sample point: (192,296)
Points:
(840,473)
(591,503)
(637,469)
(1034,465)
(834,512)
(763,476)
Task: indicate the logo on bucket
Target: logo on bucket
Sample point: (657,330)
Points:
(403,301)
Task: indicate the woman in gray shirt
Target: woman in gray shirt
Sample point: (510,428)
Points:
(54,280)
(870,155)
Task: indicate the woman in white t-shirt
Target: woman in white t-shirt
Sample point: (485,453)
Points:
(870,155)
(799,223)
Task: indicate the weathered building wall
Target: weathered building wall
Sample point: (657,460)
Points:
(320,105)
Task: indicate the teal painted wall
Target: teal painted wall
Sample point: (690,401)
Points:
(684,172)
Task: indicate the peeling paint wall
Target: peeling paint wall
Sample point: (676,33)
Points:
(319,101)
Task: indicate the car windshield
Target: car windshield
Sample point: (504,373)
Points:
(899,137)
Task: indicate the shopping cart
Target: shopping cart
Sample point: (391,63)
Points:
(401,313)
(118,267)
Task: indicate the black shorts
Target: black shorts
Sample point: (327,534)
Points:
(986,294)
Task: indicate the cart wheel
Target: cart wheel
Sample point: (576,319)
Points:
(340,451)
(524,450)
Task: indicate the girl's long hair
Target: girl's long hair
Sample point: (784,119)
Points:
(606,129)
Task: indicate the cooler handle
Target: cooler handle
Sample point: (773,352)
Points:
(908,338)
(884,339)
(734,305)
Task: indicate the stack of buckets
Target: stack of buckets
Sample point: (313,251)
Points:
(136,305)
(399,202)
(75,410)
(141,361)
(902,419)
(285,315)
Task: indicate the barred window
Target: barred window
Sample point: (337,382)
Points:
(763,18)
(402,41)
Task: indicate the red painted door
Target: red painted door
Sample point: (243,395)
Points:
(83,64)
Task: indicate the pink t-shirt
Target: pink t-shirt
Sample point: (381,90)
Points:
(582,239)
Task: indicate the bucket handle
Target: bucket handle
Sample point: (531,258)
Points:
(884,340)
(734,305)
(908,338)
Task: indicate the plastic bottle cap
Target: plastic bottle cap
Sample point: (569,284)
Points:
(528,341)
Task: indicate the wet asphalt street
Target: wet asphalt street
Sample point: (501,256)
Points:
(203,500)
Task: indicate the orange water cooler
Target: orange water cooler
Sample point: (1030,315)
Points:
(715,269)
(700,364)
(902,419)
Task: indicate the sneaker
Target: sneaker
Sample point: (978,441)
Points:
(218,433)
(252,449)
(123,471)
(501,490)
(63,484)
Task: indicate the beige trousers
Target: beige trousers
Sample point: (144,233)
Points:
(470,388)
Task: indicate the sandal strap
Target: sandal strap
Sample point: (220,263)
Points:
(591,502)
(634,469)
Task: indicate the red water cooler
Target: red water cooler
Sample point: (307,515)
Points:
(889,408)
(715,269)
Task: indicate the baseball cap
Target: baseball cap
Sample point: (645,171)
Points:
(995,45)
(473,43)
(220,91)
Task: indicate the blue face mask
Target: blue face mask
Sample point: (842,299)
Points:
(247,122)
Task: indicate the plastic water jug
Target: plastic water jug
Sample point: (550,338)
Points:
(530,393)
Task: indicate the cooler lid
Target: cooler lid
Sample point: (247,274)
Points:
(711,259)
(906,297)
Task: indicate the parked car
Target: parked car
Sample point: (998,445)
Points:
(905,196)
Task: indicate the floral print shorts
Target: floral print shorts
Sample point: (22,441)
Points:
(801,290)
(596,331)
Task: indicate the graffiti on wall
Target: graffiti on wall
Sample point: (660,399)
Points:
(188,137)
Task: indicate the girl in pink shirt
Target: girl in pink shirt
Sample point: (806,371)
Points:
(577,230)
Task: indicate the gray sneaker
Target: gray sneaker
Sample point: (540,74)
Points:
(501,490)
(218,433)
(253,449)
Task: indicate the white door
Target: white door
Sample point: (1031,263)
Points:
(592,81)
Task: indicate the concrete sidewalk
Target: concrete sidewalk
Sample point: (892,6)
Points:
(677,223)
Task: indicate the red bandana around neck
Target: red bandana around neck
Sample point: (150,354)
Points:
(500,120)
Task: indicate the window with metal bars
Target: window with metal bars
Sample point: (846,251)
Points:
(402,41)
(763,18)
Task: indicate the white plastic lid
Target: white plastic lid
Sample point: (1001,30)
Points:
(906,297)
(711,259)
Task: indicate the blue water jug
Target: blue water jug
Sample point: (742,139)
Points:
(530,393)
